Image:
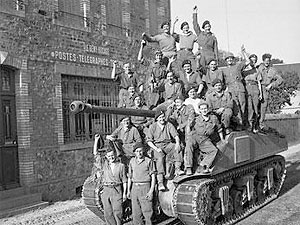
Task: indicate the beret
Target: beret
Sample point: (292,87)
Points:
(183,24)
(202,102)
(205,23)
(210,60)
(179,97)
(229,55)
(216,81)
(186,61)
(122,117)
(138,145)
(190,87)
(252,55)
(164,23)
(158,113)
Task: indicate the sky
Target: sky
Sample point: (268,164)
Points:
(263,26)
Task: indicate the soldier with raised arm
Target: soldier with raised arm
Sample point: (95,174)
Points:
(207,41)
(270,79)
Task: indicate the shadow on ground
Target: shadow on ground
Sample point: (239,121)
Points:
(292,175)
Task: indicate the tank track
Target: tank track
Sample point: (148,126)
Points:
(193,202)
(90,196)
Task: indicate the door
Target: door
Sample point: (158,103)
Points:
(9,171)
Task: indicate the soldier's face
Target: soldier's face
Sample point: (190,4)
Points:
(229,61)
(166,28)
(187,68)
(213,65)
(139,153)
(185,29)
(207,28)
(161,119)
(170,77)
(267,62)
(126,67)
(192,93)
(131,90)
(253,60)
(110,156)
(158,57)
(126,122)
(178,103)
(218,87)
(203,109)
(137,101)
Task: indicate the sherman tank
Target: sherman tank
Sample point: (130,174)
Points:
(247,175)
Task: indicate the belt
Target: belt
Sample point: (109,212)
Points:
(187,49)
(141,183)
(251,82)
(111,184)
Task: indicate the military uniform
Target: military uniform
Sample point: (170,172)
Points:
(154,82)
(112,196)
(252,78)
(234,83)
(210,76)
(180,118)
(127,138)
(163,138)
(208,44)
(140,173)
(126,81)
(191,79)
(269,76)
(126,100)
(199,137)
(217,100)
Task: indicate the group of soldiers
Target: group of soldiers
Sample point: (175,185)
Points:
(194,101)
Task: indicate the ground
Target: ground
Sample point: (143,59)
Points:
(284,210)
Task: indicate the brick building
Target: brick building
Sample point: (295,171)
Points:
(51,53)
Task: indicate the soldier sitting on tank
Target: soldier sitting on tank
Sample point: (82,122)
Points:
(161,136)
(124,138)
(127,99)
(114,188)
(126,78)
(199,139)
(141,177)
(192,99)
(180,115)
(171,89)
(155,77)
(221,104)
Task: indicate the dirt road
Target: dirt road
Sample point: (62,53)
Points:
(284,210)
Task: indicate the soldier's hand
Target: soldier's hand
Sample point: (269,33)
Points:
(124,197)
(149,195)
(129,195)
(269,87)
(195,9)
(260,97)
(243,48)
(176,19)
(97,136)
(143,42)
(115,62)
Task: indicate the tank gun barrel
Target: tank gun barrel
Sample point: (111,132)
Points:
(79,106)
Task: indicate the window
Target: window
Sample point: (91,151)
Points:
(74,13)
(96,91)
(15,7)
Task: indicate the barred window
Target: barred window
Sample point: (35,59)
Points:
(13,5)
(95,91)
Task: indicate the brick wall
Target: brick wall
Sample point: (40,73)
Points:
(31,38)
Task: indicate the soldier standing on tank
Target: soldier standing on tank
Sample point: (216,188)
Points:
(221,104)
(199,138)
(186,42)
(127,78)
(165,40)
(207,42)
(127,100)
(270,79)
(180,116)
(211,74)
(254,91)
(114,188)
(161,136)
(124,137)
(141,177)
(234,83)
(155,77)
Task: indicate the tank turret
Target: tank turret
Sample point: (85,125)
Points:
(247,175)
